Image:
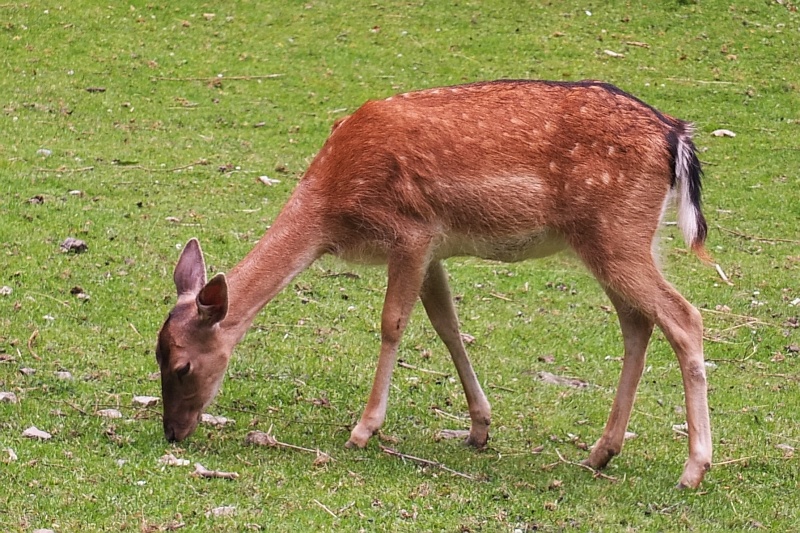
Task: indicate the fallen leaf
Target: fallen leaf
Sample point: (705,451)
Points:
(109,413)
(322,459)
(35,433)
(225,510)
(630,435)
(549,358)
(467,338)
(27,371)
(79,293)
(267,180)
(145,401)
(170,460)
(8,397)
(11,456)
(63,375)
(723,133)
(73,245)
(553,379)
(788,451)
(5,290)
(260,438)
(613,54)
(212,420)
(448,434)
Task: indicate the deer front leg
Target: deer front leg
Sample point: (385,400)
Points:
(636,332)
(442,313)
(406,271)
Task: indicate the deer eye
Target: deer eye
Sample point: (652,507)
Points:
(183,370)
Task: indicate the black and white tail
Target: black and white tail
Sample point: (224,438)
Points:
(688,175)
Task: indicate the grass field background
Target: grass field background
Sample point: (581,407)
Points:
(135,126)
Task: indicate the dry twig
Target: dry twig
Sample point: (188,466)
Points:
(424,462)
(220,78)
(595,473)
(267,439)
(757,238)
(324,507)
(403,364)
(201,471)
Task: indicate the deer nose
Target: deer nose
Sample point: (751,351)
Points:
(169,434)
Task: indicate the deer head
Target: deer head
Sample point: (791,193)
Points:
(191,352)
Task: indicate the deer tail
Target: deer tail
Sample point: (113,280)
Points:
(688,176)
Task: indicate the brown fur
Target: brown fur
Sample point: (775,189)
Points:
(502,170)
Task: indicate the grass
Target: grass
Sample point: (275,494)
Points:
(184,114)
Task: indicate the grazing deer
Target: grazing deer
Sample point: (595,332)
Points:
(504,170)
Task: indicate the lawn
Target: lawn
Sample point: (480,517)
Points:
(135,126)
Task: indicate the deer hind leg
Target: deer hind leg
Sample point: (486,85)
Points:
(636,332)
(406,271)
(632,274)
(439,306)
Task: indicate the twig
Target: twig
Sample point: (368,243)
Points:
(62,302)
(325,508)
(201,471)
(81,411)
(423,462)
(500,387)
(134,328)
(784,376)
(500,296)
(755,237)
(403,364)
(448,415)
(31,340)
(732,461)
(722,274)
(747,318)
(708,82)
(64,170)
(266,439)
(595,473)
(199,162)
(220,78)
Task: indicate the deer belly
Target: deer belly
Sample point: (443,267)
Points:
(507,248)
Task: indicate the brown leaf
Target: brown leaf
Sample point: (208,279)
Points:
(35,433)
(553,379)
(73,245)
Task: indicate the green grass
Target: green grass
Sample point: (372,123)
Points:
(162,135)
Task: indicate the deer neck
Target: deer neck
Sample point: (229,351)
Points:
(288,247)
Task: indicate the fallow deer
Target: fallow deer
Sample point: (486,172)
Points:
(506,171)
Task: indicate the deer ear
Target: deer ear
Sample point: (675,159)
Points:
(212,300)
(190,272)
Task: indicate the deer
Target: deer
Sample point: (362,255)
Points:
(504,170)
